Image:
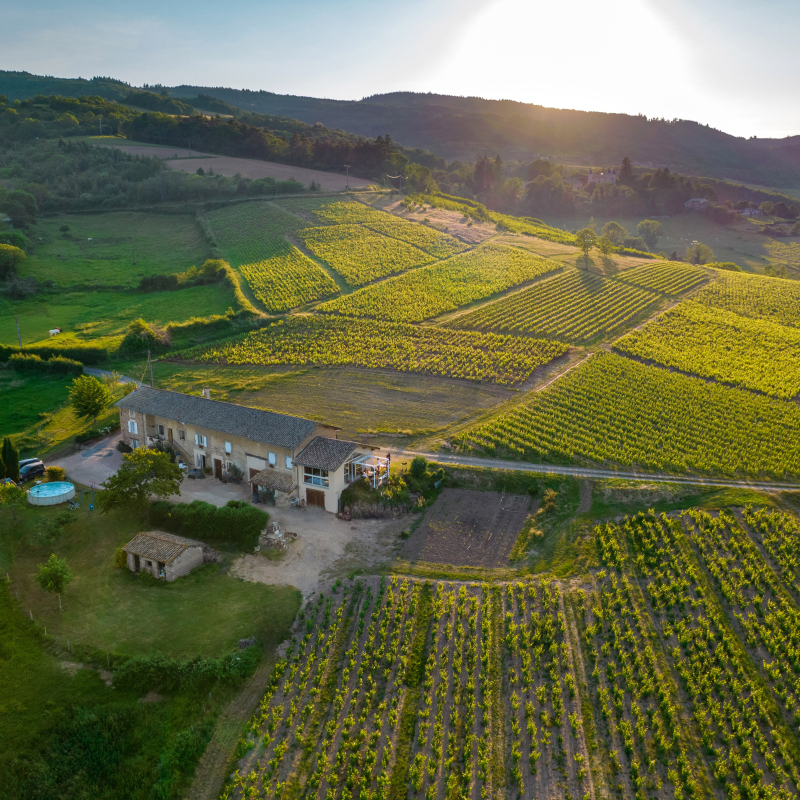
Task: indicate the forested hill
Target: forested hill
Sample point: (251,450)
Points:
(467,127)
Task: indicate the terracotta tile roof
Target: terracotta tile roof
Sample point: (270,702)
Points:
(159,546)
(274,479)
(266,427)
(324,453)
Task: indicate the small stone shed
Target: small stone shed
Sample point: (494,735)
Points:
(163,555)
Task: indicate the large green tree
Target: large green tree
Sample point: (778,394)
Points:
(143,473)
(89,396)
(10,459)
(699,253)
(586,239)
(10,258)
(614,232)
(54,576)
(649,230)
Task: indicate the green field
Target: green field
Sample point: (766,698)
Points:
(88,315)
(576,306)
(712,343)
(115,249)
(615,410)
(439,288)
(360,255)
(754,296)
(329,341)
(252,238)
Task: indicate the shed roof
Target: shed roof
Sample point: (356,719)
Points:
(324,453)
(274,479)
(266,427)
(159,545)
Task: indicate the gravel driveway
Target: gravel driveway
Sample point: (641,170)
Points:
(95,463)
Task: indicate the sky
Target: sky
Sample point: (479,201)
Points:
(732,64)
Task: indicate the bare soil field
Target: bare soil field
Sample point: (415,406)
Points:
(448,221)
(190,160)
(475,529)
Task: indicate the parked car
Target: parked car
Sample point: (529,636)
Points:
(26,461)
(30,471)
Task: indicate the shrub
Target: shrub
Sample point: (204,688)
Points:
(120,558)
(87,354)
(170,674)
(418,467)
(141,336)
(58,365)
(124,448)
(15,239)
(238,523)
(549,500)
(53,474)
(10,258)
(726,265)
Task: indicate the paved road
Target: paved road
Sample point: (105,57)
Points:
(99,373)
(590,472)
(94,463)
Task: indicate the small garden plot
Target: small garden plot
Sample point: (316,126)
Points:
(361,255)
(435,690)
(469,528)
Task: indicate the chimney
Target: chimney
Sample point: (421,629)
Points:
(206,393)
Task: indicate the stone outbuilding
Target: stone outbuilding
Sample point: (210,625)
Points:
(163,555)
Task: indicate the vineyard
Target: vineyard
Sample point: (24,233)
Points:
(576,306)
(772,299)
(430,291)
(333,340)
(341,212)
(613,409)
(667,277)
(434,690)
(251,235)
(360,255)
(752,353)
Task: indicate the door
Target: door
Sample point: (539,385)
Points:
(315,497)
(169,434)
(136,564)
(217,468)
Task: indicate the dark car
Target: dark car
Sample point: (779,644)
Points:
(26,461)
(31,471)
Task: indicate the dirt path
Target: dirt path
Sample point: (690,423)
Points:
(585,504)
(589,472)
(209,773)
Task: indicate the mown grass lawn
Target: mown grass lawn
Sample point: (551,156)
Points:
(202,614)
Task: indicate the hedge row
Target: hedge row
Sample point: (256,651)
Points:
(170,674)
(238,523)
(57,365)
(86,354)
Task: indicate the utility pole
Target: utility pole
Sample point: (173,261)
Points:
(150,365)
(19,337)
(347,184)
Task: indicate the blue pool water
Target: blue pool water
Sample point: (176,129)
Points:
(51,489)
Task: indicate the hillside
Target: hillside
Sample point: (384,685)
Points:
(466,127)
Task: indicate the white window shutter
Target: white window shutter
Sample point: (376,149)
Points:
(273,459)
(196,439)
(288,462)
(228,447)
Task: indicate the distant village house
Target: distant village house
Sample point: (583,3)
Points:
(696,204)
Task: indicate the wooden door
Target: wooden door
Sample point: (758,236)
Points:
(169,434)
(136,564)
(315,497)
(217,468)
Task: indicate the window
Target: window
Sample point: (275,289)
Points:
(273,459)
(315,477)
(228,466)
(131,412)
(134,444)
(182,435)
(200,440)
(133,426)
(287,460)
(228,447)
(160,430)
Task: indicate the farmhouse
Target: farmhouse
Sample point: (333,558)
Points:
(163,555)
(294,457)
(696,204)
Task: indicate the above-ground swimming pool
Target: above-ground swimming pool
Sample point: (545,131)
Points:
(51,494)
